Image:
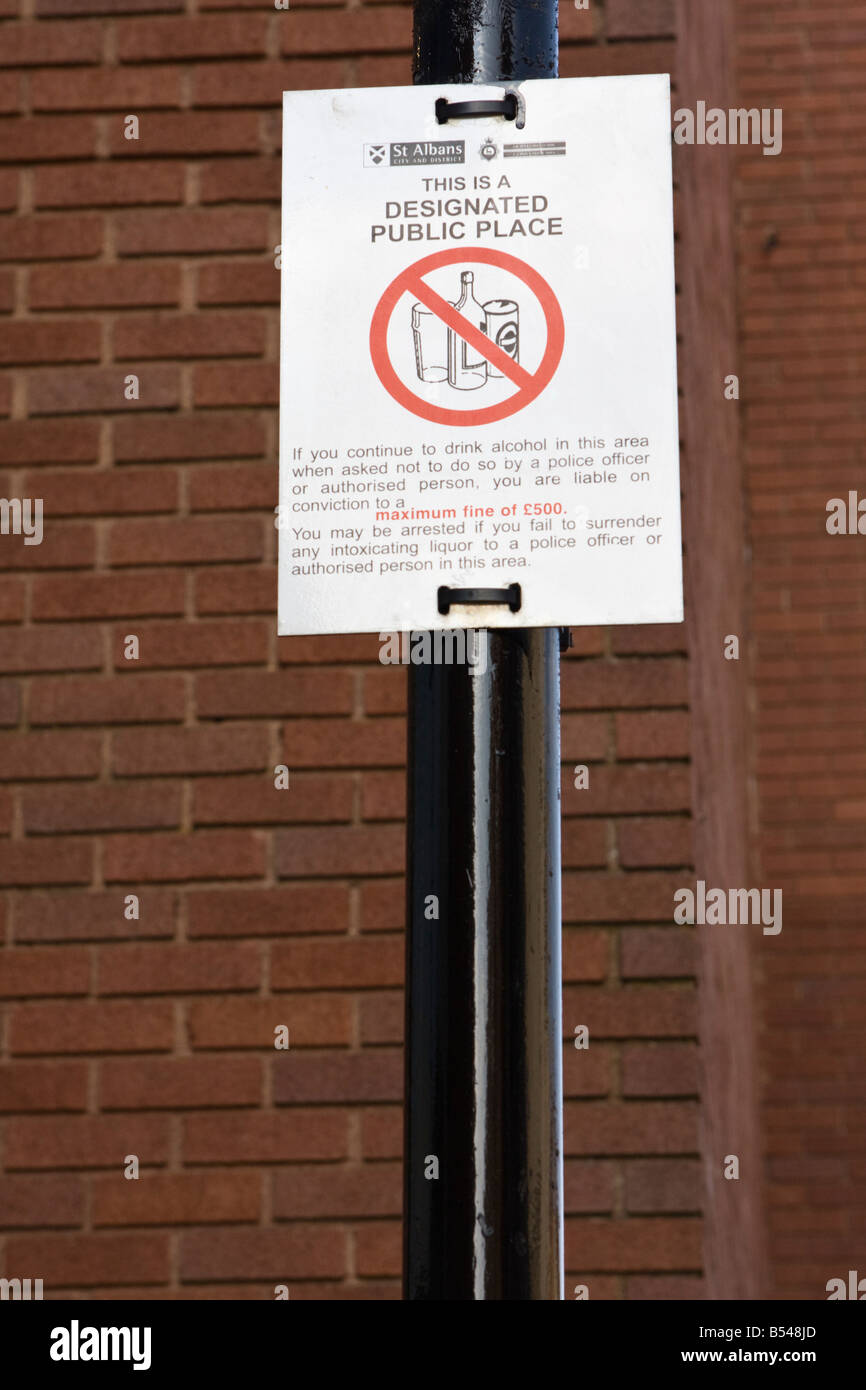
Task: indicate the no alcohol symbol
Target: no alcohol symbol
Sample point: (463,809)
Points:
(492,354)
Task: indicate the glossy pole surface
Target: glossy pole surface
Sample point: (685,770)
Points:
(483,981)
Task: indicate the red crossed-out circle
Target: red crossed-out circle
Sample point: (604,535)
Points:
(531,384)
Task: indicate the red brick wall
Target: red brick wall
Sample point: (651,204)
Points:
(802,272)
(155,777)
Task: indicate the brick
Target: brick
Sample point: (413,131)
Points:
(10,702)
(381,1017)
(342,850)
(660,1069)
(229,36)
(86,392)
(584,955)
(312,1021)
(44,971)
(632,1011)
(382,905)
(262,85)
(585,737)
(590,896)
(658,953)
(655,1287)
(108,595)
(235,488)
(236,384)
(329,1190)
(9,183)
(101,808)
(51,861)
(382,1131)
(48,441)
(327,651)
(76,492)
(148,336)
(77,916)
(191,232)
(378,1248)
(385,690)
(123,7)
(292,908)
(48,756)
(239,282)
(82,1141)
(603,1128)
(647,639)
(164,858)
(266,1137)
(40,44)
(11,610)
(26,343)
(375,29)
(178,969)
(256,801)
(184,542)
(202,437)
(355,964)
(628,790)
(76,1261)
(312,1251)
(635,1244)
(585,844)
(589,1186)
(234,180)
(652,734)
(44,238)
(183,1199)
(256,694)
(587,1071)
(183,644)
(350,1077)
(131,699)
(33,1086)
(654,842)
(383,796)
(63,547)
(663,1185)
(106,1027)
(126,90)
(154,752)
(50,649)
(41,1202)
(606,684)
(104,286)
(188,133)
(180,1082)
(108,185)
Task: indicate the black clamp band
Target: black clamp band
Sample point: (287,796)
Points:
(458,110)
(511,596)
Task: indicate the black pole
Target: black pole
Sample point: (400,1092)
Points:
(483,996)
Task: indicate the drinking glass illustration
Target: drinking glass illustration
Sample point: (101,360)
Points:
(431,344)
(503,326)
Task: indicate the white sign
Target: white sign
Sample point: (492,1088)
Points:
(478,359)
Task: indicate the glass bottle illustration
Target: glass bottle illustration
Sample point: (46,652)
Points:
(467,370)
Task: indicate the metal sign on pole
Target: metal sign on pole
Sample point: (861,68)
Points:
(478,437)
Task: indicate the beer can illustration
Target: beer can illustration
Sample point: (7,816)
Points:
(503,326)
(430,337)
